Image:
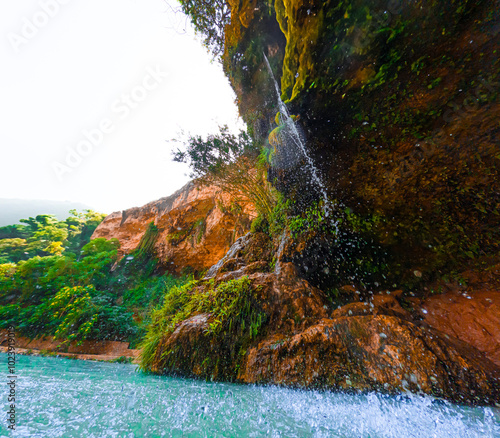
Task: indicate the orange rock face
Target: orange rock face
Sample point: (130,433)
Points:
(197,225)
(373,352)
(471,315)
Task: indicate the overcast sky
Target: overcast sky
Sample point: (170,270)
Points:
(92,92)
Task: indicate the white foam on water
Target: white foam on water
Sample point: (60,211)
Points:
(69,398)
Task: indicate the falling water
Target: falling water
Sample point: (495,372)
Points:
(297,140)
(239,244)
(283,241)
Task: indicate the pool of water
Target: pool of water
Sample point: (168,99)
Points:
(68,398)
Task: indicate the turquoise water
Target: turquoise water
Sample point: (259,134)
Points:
(69,398)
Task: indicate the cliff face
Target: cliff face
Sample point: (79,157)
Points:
(196,226)
(304,341)
(398,103)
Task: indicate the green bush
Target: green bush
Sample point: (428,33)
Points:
(74,295)
(73,313)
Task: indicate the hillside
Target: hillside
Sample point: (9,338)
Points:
(11,210)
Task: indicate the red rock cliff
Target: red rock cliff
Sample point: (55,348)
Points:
(197,225)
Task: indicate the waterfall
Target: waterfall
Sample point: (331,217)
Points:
(239,244)
(298,141)
(283,242)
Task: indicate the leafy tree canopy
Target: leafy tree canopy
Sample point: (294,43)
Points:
(100,245)
(230,162)
(211,154)
(210,18)
(45,235)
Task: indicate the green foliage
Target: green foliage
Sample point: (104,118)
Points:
(73,313)
(311,220)
(37,277)
(231,163)
(231,306)
(200,227)
(278,218)
(16,231)
(299,223)
(7,270)
(13,249)
(78,298)
(260,225)
(99,245)
(147,243)
(122,359)
(162,321)
(81,226)
(211,155)
(210,19)
(149,293)
(45,235)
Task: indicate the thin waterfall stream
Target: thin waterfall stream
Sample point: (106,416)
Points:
(299,142)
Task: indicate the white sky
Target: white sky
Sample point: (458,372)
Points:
(73,71)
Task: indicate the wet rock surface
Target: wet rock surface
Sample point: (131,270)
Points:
(470,313)
(374,352)
(306,342)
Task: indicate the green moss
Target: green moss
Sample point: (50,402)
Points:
(259,225)
(148,241)
(196,230)
(163,321)
(233,313)
(302,30)
(178,236)
(200,228)
(122,359)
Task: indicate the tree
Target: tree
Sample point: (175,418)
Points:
(16,231)
(12,250)
(210,18)
(46,235)
(230,162)
(210,155)
(99,245)
(81,226)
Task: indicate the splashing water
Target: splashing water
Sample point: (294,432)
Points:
(70,398)
(296,138)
